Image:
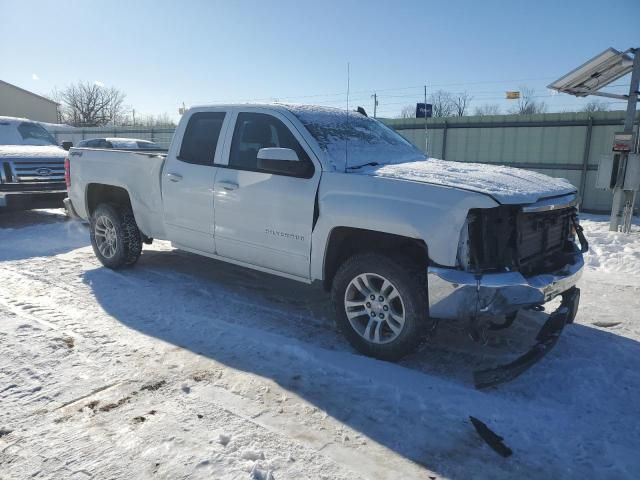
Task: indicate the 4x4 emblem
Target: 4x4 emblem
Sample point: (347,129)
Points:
(43,171)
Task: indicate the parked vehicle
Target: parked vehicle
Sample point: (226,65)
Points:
(318,194)
(31,166)
(120,143)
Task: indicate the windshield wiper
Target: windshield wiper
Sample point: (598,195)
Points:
(370,164)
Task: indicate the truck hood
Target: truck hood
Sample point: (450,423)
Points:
(31,151)
(506,185)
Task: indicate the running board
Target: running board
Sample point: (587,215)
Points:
(545,340)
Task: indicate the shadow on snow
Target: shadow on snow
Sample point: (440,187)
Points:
(36,233)
(570,415)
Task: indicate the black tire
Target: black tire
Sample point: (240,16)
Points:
(411,286)
(128,244)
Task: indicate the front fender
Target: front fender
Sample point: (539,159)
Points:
(431,213)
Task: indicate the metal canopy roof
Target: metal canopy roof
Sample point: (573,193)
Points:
(595,74)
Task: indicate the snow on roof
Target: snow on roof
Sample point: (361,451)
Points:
(14,119)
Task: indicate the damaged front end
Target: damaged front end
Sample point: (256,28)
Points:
(512,258)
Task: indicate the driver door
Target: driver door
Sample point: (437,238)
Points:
(265,218)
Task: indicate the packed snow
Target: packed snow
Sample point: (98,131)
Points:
(508,185)
(611,252)
(185,367)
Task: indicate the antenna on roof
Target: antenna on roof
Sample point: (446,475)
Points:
(346,137)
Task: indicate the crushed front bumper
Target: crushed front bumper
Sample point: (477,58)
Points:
(545,341)
(458,294)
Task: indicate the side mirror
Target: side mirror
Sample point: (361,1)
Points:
(278,154)
(280,160)
(66,145)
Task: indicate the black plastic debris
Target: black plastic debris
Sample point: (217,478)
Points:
(494,440)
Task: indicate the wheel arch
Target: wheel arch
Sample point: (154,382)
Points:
(97,193)
(343,242)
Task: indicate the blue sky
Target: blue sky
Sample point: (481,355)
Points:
(163,53)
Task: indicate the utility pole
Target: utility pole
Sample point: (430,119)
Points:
(624,200)
(133,112)
(375,104)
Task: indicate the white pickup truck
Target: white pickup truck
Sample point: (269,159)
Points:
(319,194)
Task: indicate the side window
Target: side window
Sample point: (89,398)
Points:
(254,131)
(201,138)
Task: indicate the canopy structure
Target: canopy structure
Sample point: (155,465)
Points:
(595,74)
(588,79)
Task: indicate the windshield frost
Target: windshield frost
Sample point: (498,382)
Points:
(355,140)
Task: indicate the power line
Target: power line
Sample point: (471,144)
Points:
(368,92)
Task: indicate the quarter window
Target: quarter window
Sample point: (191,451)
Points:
(201,138)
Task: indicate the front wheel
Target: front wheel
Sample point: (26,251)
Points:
(115,237)
(381,305)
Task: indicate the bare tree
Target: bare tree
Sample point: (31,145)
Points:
(442,104)
(487,109)
(461,103)
(596,106)
(408,111)
(527,103)
(89,105)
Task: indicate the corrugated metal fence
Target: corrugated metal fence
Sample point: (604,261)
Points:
(567,145)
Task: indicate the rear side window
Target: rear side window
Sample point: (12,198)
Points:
(201,138)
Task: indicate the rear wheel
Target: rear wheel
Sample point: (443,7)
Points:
(380,304)
(115,237)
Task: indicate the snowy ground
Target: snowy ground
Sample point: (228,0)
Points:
(185,367)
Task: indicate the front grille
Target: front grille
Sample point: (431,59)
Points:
(505,238)
(38,170)
(542,240)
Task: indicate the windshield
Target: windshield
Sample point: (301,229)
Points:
(24,133)
(352,141)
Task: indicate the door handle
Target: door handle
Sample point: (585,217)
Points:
(174,177)
(228,185)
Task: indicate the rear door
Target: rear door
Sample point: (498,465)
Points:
(188,178)
(265,218)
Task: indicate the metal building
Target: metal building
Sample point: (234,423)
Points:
(17,102)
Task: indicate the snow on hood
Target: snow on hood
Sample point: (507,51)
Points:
(507,185)
(31,151)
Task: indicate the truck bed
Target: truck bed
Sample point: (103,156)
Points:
(138,172)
